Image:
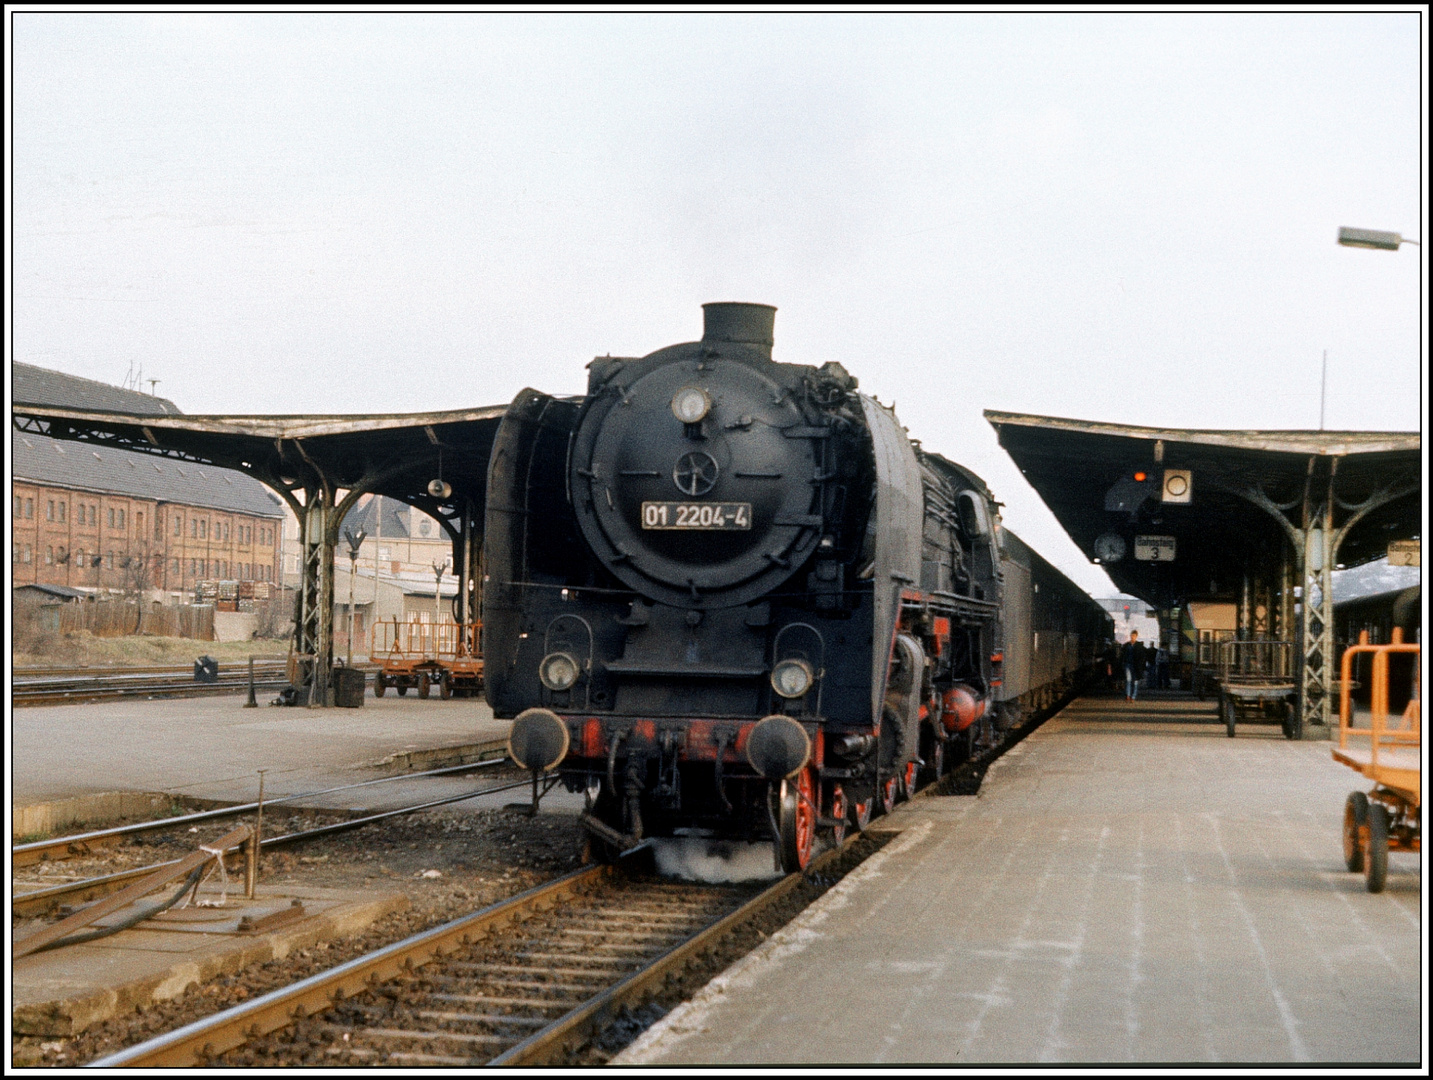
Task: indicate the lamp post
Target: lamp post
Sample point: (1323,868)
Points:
(355,541)
(1372,238)
(438,567)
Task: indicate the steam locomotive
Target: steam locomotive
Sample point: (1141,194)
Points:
(726,596)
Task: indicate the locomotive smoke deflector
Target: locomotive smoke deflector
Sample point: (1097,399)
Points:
(752,325)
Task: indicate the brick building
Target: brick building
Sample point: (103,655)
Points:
(97,518)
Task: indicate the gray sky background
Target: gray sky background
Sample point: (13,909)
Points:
(1106,216)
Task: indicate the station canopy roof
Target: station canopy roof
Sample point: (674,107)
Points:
(394,454)
(1106,485)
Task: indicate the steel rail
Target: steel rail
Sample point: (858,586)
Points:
(41,686)
(39,850)
(193,1044)
(201,1041)
(569,1033)
(41,900)
(104,670)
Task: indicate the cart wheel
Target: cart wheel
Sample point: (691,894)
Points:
(445,688)
(1229,715)
(423,685)
(1375,870)
(402,689)
(379,686)
(1355,818)
(1293,727)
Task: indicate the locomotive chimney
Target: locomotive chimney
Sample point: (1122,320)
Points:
(743,324)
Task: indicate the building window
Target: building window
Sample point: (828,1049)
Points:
(109,564)
(64,506)
(203,529)
(19,506)
(111,517)
(174,566)
(50,511)
(27,552)
(194,528)
(121,519)
(29,508)
(178,525)
(49,553)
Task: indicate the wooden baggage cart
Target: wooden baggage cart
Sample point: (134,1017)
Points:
(1257,684)
(1389,752)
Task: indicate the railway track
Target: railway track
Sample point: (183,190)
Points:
(41,900)
(56,686)
(528,981)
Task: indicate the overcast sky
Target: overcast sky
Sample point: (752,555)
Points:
(1116,217)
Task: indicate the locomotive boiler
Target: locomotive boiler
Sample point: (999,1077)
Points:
(729,596)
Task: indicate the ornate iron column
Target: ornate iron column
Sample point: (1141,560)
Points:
(1316,622)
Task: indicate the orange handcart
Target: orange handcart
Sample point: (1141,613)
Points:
(1387,751)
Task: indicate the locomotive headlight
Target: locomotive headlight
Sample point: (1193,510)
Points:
(690,404)
(558,671)
(792,678)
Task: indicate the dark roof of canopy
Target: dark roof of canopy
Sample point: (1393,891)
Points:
(1072,464)
(398,453)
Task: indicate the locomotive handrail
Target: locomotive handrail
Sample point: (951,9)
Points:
(819,669)
(547,648)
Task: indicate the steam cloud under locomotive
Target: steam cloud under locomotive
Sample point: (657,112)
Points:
(727,596)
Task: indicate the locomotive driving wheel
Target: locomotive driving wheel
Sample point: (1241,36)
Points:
(887,793)
(798,822)
(837,813)
(908,779)
(859,812)
(935,766)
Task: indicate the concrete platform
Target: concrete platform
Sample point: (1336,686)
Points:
(62,992)
(1129,886)
(212,748)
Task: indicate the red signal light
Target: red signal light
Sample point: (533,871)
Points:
(1139,477)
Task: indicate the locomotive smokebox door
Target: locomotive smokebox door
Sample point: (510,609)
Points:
(695,474)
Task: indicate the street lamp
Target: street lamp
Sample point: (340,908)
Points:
(355,541)
(439,566)
(1371,238)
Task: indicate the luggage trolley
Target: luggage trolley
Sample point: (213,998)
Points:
(1256,683)
(407,656)
(1388,751)
(461,657)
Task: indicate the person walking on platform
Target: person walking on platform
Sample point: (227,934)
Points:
(1133,656)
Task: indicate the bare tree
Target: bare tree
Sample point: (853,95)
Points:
(137,577)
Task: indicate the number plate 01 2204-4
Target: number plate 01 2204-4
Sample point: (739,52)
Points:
(681,515)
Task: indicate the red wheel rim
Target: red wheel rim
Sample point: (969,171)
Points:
(838,813)
(861,813)
(910,778)
(888,795)
(805,818)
